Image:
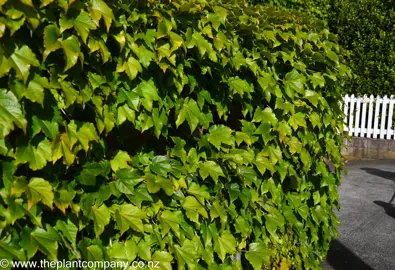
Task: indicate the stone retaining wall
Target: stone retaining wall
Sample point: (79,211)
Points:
(366,148)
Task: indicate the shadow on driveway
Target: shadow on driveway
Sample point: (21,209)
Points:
(381,173)
(388,207)
(341,258)
(386,175)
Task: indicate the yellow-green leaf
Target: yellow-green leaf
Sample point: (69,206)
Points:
(38,190)
(10,113)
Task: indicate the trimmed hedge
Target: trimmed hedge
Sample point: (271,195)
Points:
(187,133)
(367,30)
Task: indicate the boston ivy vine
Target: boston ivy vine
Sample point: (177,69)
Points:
(194,133)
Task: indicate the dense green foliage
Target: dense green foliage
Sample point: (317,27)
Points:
(317,8)
(366,29)
(184,133)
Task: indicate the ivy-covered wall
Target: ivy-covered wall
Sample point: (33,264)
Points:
(183,132)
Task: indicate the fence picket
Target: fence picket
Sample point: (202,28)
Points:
(351,116)
(390,131)
(365,101)
(376,117)
(357,128)
(383,116)
(346,111)
(370,119)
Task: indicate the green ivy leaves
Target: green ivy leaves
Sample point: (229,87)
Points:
(179,132)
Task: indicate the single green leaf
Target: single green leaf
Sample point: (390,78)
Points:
(131,97)
(27,243)
(72,51)
(162,30)
(239,86)
(317,80)
(37,157)
(203,46)
(161,165)
(38,190)
(157,182)
(191,112)
(148,91)
(101,10)
(217,210)
(145,121)
(51,39)
(303,210)
(200,192)
(145,55)
(61,147)
(94,253)
(125,113)
(91,170)
(46,241)
(164,260)
(258,255)
(159,121)
(123,251)
(21,60)
(144,250)
(129,216)
(127,179)
(333,56)
(101,218)
(284,129)
(297,120)
(295,146)
(120,161)
(65,22)
(170,220)
(275,154)
(176,40)
(10,113)
(225,244)
(193,209)
(69,230)
(83,24)
(212,169)
(265,116)
(294,82)
(132,67)
(141,195)
(187,254)
(71,95)
(35,89)
(220,134)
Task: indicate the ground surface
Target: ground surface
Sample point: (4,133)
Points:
(367,235)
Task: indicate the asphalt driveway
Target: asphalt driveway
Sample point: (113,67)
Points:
(367,236)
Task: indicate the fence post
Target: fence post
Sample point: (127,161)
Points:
(376,117)
(370,117)
(363,120)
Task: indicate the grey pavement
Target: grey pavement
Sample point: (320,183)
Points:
(367,236)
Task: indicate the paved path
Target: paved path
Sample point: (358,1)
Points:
(367,236)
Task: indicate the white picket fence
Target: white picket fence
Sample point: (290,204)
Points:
(369,117)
